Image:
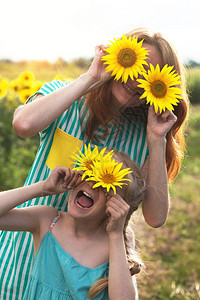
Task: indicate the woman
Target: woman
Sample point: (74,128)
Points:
(158,147)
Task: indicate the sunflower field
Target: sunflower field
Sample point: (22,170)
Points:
(16,154)
(170,253)
(19,80)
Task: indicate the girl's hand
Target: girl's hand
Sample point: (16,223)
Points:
(61,180)
(117,210)
(158,124)
(97,68)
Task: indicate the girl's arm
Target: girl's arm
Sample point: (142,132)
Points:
(27,219)
(156,204)
(120,283)
(33,117)
(12,219)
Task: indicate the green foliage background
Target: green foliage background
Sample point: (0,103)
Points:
(16,154)
(170,253)
(193,84)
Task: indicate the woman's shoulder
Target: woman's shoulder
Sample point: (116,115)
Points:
(52,86)
(48,88)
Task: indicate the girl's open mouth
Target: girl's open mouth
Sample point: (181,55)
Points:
(84,200)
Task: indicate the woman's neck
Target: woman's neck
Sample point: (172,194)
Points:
(116,107)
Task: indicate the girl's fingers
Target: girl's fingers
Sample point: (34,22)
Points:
(109,194)
(74,178)
(59,174)
(116,213)
(117,200)
(116,206)
(68,176)
(113,214)
(65,176)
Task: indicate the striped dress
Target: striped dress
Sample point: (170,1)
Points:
(16,248)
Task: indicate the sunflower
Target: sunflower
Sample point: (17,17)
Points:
(25,94)
(86,161)
(16,85)
(159,86)
(37,86)
(108,174)
(125,58)
(60,77)
(26,77)
(3,88)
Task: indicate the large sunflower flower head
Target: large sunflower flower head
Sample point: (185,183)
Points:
(126,58)
(101,168)
(160,87)
(86,160)
(109,174)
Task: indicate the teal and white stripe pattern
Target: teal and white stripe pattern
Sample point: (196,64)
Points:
(16,248)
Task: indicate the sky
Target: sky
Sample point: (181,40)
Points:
(49,29)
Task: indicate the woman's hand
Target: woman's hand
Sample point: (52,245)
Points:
(97,69)
(61,180)
(158,124)
(117,210)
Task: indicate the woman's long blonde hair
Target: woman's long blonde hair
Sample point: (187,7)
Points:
(99,102)
(134,195)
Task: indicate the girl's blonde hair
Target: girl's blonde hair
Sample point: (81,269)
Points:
(134,195)
(99,102)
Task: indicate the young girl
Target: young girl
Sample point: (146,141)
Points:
(85,252)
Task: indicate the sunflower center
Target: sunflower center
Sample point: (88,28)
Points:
(108,178)
(126,57)
(89,163)
(158,89)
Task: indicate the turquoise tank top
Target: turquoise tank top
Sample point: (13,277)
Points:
(56,275)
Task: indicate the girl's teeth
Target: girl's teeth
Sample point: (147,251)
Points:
(86,194)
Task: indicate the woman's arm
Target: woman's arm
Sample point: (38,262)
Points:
(120,283)
(26,219)
(33,117)
(156,204)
